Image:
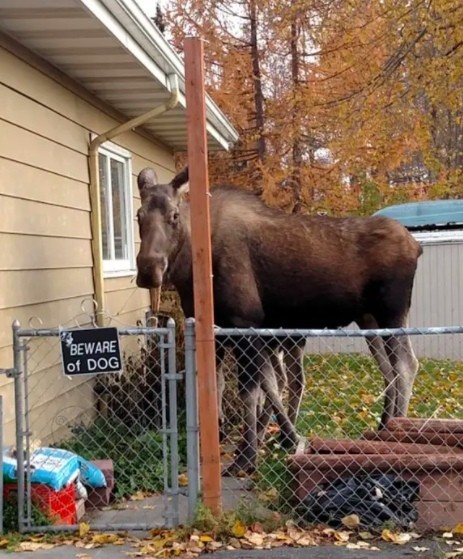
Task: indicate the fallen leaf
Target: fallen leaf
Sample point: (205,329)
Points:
(395,537)
(306,541)
(83,556)
(138,496)
(270,495)
(368,399)
(215,545)
(255,539)
(205,538)
(102,539)
(447,535)
(257,527)
(351,521)
(183,480)
(34,546)
(84,529)
(37,538)
(239,529)
(4,543)
(341,536)
(366,536)
(458,529)
(419,549)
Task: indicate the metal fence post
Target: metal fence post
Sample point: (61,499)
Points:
(172,378)
(19,415)
(192,427)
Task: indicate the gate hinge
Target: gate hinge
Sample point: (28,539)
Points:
(10,373)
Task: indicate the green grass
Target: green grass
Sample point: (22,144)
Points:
(343,396)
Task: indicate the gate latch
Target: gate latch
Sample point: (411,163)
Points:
(10,373)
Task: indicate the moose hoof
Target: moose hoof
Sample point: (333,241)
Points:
(290,441)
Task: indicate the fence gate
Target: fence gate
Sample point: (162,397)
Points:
(130,419)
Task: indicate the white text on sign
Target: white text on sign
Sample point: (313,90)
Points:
(89,348)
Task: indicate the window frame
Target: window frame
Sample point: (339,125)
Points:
(117,267)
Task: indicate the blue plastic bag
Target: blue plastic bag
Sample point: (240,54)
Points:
(90,474)
(9,469)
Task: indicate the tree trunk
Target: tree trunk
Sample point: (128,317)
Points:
(296,147)
(258,94)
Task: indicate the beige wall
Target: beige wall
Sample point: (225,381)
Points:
(45,257)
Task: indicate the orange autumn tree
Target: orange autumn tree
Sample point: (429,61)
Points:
(341,107)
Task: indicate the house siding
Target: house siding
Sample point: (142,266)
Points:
(45,233)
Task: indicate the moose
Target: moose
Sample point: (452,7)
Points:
(274,270)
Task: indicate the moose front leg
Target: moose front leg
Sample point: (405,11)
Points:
(250,362)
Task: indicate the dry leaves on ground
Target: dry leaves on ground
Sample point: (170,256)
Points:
(192,543)
(167,544)
(399,538)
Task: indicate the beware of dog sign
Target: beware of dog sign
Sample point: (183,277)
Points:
(90,351)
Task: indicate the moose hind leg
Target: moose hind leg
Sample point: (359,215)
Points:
(274,373)
(408,360)
(405,361)
(271,388)
(294,354)
(378,350)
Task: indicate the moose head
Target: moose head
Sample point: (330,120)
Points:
(159,225)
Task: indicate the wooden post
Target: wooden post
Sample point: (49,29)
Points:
(202,274)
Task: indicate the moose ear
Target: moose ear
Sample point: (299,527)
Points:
(180,182)
(147,178)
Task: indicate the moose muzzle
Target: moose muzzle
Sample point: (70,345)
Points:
(151,271)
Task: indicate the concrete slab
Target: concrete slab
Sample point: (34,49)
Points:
(150,512)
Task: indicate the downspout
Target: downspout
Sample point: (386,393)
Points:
(95,202)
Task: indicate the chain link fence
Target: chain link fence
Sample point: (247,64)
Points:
(130,425)
(300,414)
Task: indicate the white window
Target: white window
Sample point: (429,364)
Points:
(116,209)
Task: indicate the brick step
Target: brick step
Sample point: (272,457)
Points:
(421,437)
(433,457)
(317,445)
(381,462)
(411,424)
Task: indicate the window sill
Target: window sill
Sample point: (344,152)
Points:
(120,274)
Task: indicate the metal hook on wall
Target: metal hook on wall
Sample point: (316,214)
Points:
(31,322)
(90,314)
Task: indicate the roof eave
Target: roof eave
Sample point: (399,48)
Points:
(133,28)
